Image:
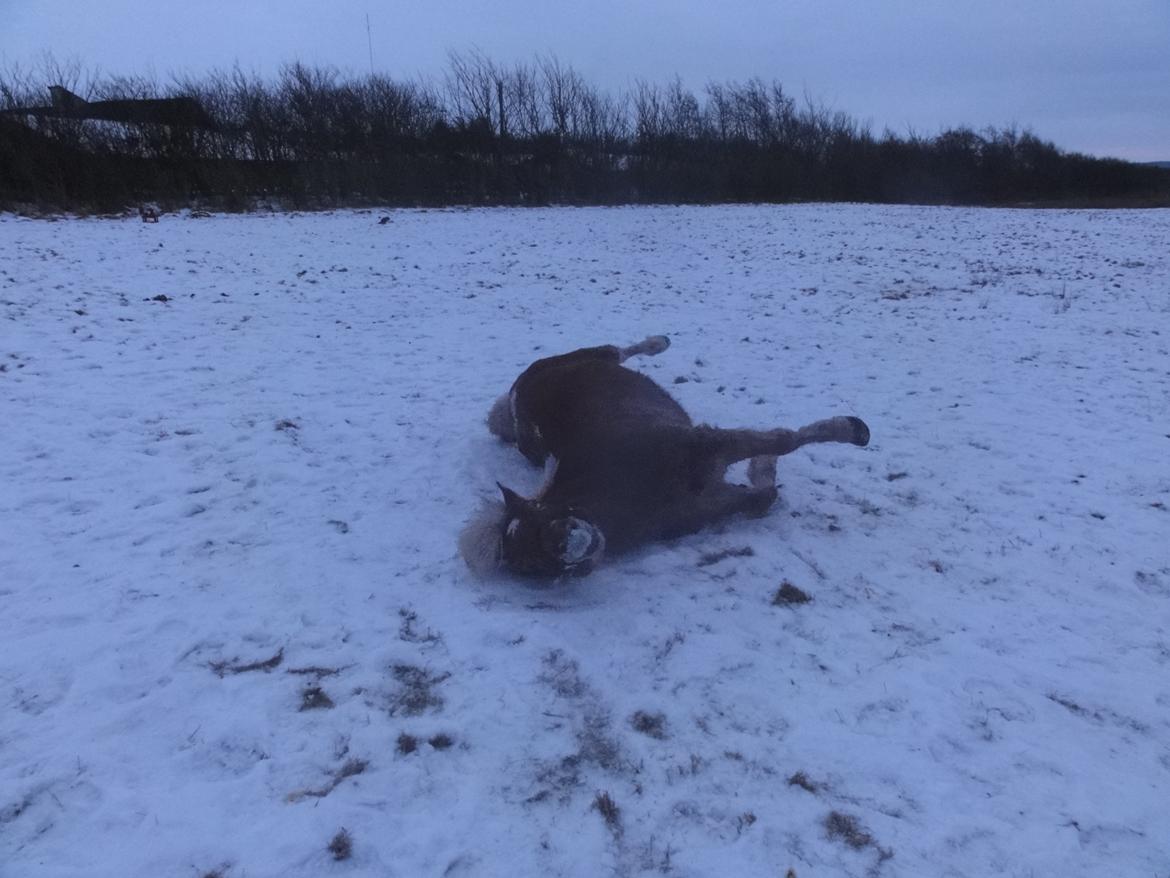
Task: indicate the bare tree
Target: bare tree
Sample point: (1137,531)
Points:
(604,118)
(473,81)
(564,90)
(522,102)
(682,117)
(649,112)
(720,110)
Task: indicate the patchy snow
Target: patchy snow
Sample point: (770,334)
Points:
(237,452)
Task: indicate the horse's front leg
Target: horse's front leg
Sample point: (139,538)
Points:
(762,471)
(716,503)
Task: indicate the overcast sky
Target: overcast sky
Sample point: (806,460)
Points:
(1091,75)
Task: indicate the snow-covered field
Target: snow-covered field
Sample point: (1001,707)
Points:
(236,452)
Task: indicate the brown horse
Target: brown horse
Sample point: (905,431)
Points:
(626,466)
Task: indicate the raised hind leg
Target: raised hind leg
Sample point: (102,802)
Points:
(728,446)
(651,346)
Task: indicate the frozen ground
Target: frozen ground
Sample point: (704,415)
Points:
(236,453)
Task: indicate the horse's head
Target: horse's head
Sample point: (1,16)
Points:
(545,540)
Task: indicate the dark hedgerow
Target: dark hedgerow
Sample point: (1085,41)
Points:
(311,137)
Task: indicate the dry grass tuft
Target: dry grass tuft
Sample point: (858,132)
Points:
(341,845)
(788,595)
(609,811)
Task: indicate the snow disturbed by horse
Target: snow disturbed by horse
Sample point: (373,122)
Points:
(625,465)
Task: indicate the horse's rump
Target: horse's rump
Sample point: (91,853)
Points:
(566,401)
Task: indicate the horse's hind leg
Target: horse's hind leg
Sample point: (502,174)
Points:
(651,346)
(728,446)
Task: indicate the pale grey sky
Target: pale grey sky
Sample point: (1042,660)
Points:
(1091,75)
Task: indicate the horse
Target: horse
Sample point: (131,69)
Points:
(625,465)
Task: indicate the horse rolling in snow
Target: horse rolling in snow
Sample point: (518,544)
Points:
(625,465)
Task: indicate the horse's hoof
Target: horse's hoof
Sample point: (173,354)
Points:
(762,502)
(860,432)
(655,344)
(761,471)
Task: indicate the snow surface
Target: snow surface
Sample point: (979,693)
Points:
(231,604)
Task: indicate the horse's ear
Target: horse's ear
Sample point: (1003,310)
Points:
(513,502)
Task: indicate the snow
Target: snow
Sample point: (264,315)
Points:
(243,500)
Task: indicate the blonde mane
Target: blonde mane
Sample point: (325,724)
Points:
(479,541)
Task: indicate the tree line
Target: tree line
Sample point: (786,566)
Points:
(530,133)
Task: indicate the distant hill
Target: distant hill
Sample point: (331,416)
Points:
(1157,164)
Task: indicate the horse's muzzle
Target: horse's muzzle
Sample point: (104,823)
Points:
(580,544)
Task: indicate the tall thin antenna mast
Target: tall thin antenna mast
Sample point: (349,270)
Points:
(370,42)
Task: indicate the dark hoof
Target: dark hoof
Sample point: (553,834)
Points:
(860,432)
